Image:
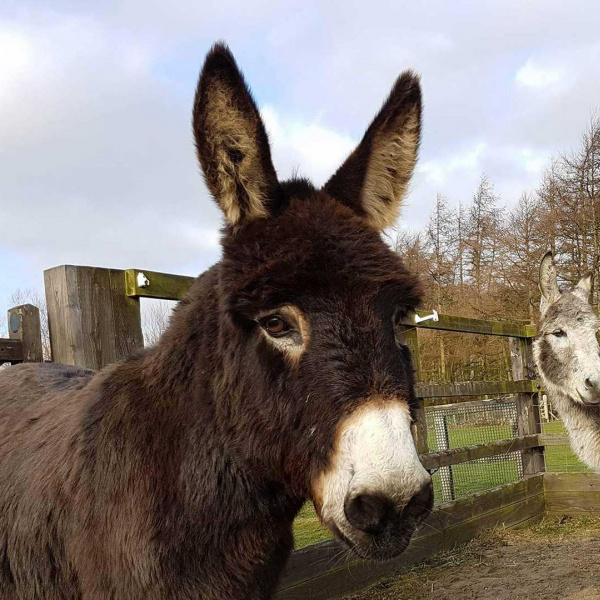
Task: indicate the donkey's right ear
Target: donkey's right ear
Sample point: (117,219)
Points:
(231,141)
(584,288)
(548,281)
(374,179)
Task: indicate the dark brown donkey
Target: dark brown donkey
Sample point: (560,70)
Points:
(177,473)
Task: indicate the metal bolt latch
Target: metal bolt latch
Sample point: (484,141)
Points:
(432,317)
(142,280)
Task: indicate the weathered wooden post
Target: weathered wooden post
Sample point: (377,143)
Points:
(528,413)
(410,337)
(92,321)
(24,325)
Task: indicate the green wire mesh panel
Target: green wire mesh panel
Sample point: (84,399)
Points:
(468,424)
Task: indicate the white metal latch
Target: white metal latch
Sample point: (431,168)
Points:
(432,317)
(142,280)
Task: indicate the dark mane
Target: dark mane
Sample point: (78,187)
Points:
(299,188)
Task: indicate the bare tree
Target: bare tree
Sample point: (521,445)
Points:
(522,245)
(441,245)
(155,319)
(481,241)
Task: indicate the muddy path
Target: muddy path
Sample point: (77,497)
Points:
(554,560)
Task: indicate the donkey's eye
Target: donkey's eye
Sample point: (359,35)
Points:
(558,333)
(274,325)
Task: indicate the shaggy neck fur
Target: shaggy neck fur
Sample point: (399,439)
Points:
(239,513)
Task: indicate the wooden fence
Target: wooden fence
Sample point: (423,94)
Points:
(95,319)
(24,343)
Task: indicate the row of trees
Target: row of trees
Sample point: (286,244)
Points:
(481,260)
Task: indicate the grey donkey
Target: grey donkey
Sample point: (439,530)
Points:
(568,359)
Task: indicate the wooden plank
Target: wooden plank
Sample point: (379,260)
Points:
(445,458)
(573,503)
(317,573)
(571,482)
(451,405)
(508,515)
(168,286)
(554,439)
(467,325)
(11,351)
(572,493)
(92,322)
(24,324)
(159,285)
(470,507)
(474,388)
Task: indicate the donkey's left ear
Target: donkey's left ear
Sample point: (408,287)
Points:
(231,141)
(548,282)
(584,287)
(374,179)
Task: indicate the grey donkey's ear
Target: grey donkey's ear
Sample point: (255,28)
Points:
(584,287)
(548,282)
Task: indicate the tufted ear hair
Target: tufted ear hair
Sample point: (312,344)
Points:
(374,178)
(231,141)
(584,287)
(548,282)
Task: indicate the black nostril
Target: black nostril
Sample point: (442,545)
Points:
(589,384)
(369,512)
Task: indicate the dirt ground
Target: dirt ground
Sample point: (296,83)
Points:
(554,560)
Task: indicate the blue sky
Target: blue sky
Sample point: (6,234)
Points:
(97,163)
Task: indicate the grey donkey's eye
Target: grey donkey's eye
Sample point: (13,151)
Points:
(559,333)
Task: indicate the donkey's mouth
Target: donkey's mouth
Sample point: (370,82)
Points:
(388,536)
(381,547)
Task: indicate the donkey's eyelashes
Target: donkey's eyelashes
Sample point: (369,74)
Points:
(559,333)
(275,325)
(285,328)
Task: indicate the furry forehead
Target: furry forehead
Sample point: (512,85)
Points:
(314,244)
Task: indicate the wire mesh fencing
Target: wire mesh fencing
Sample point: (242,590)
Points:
(467,424)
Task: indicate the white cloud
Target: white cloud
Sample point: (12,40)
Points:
(534,75)
(17,61)
(315,151)
(438,171)
(96,156)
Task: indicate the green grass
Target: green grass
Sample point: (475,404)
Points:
(469,478)
(307,528)
(561,459)
(469,435)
